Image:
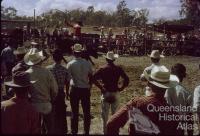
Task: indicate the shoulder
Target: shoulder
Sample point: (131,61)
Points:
(139,102)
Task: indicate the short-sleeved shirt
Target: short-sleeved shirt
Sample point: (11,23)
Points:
(110,75)
(79,70)
(148,69)
(178,95)
(60,74)
(196,99)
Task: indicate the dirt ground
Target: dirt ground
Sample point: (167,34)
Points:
(133,66)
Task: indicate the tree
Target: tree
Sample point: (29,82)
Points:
(191,10)
(122,12)
(8,13)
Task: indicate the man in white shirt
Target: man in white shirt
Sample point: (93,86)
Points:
(80,71)
(155,59)
(179,95)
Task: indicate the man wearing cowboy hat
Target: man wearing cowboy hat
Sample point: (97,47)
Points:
(20,66)
(155,59)
(45,90)
(110,75)
(158,80)
(80,71)
(18,116)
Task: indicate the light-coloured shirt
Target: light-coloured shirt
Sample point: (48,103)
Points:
(79,70)
(178,95)
(46,88)
(148,69)
(196,99)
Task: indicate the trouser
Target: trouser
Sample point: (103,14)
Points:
(83,95)
(59,110)
(47,123)
(47,117)
(105,106)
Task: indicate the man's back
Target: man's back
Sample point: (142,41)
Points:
(79,70)
(150,107)
(45,88)
(19,117)
(110,75)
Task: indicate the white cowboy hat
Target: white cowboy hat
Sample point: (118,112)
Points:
(156,54)
(78,47)
(34,56)
(111,56)
(20,50)
(161,77)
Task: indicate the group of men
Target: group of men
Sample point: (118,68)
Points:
(37,94)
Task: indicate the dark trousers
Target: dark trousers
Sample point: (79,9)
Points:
(83,95)
(59,110)
(47,123)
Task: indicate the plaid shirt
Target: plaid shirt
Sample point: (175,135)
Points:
(60,73)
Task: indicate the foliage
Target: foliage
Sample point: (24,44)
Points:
(123,16)
(191,10)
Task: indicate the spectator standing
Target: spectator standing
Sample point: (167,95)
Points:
(18,116)
(159,81)
(44,92)
(155,59)
(62,77)
(80,71)
(109,76)
(179,95)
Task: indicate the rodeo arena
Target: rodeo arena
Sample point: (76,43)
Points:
(35,99)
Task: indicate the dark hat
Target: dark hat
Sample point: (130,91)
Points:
(19,79)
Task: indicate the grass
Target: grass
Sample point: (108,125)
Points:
(134,66)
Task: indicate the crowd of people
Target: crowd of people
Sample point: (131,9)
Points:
(35,99)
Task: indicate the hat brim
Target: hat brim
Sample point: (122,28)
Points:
(170,84)
(116,56)
(173,81)
(12,84)
(161,56)
(31,63)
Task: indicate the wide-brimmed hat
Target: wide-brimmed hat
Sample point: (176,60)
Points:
(33,57)
(78,48)
(156,54)
(19,79)
(161,77)
(34,43)
(111,56)
(20,50)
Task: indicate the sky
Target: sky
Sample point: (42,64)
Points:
(168,9)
